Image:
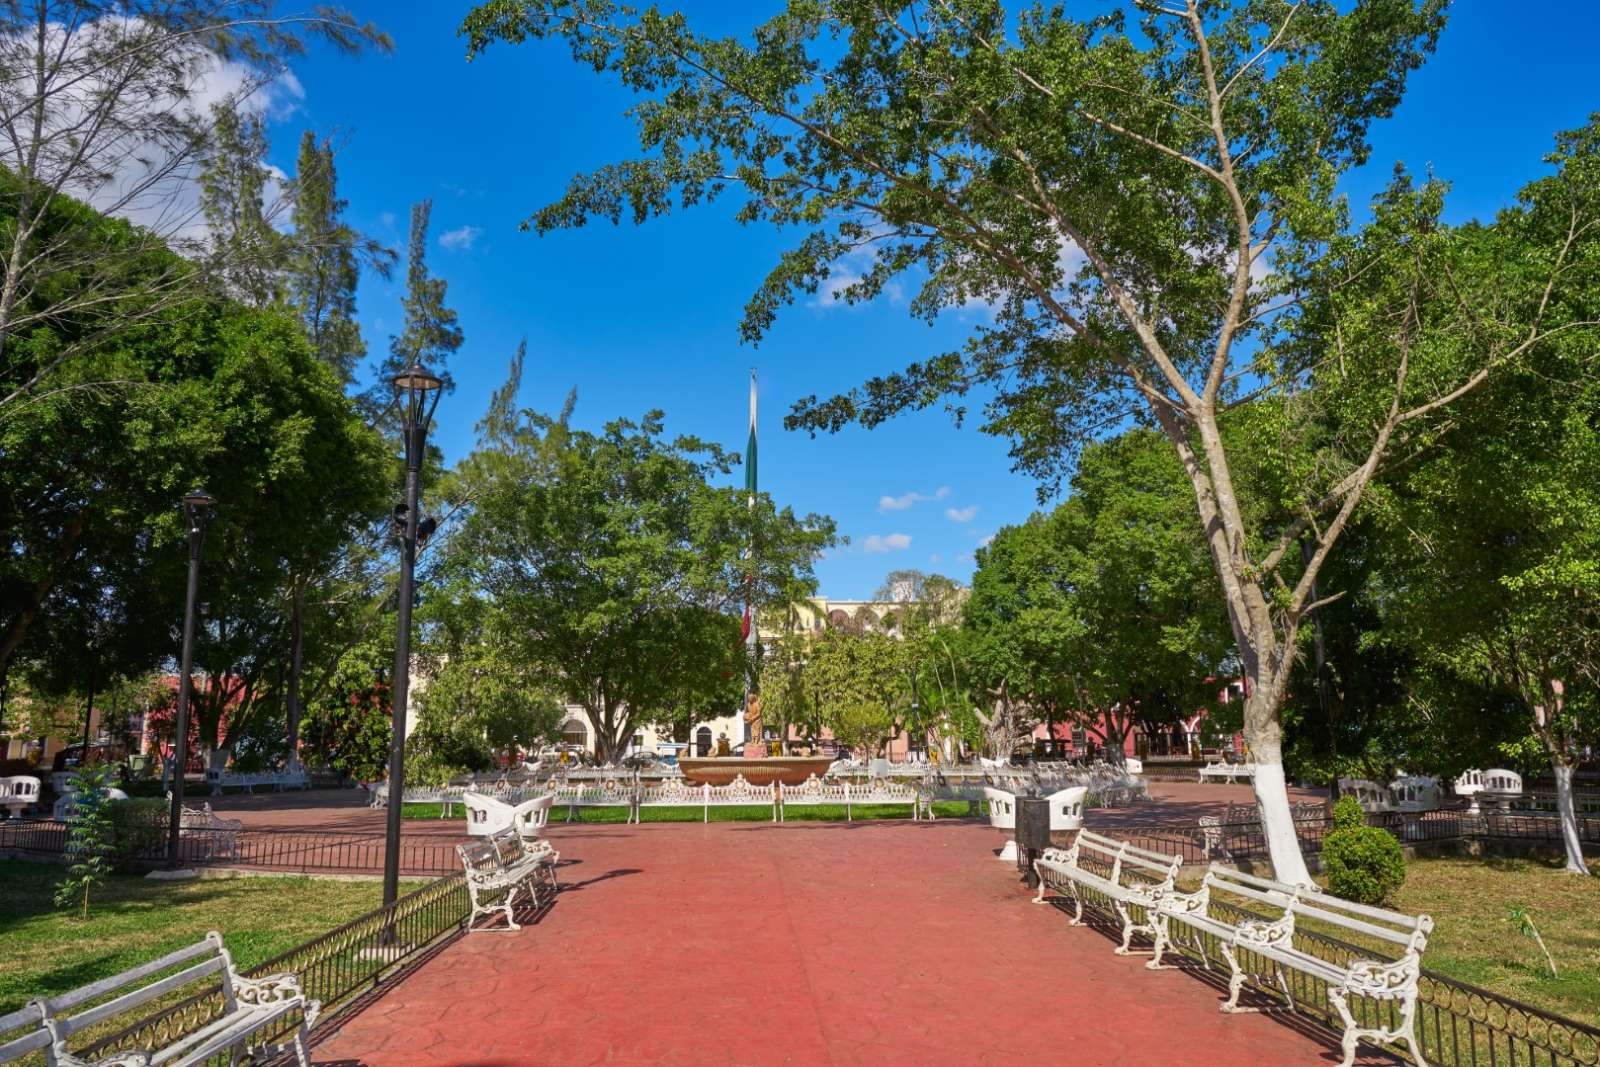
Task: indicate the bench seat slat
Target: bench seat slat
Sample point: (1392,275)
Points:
(67,1001)
(224,1033)
(69,1025)
(32,1041)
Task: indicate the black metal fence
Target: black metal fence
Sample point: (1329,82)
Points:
(1237,841)
(286,851)
(336,968)
(1459,1025)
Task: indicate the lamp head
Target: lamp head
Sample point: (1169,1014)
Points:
(416,390)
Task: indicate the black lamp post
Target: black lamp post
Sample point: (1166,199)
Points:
(196,508)
(416,394)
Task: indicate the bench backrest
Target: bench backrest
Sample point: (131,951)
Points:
(1469,783)
(1125,858)
(485,814)
(20,787)
(1252,887)
(508,847)
(532,815)
(1002,808)
(480,856)
(1066,807)
(1409,931)
(32,1039)
(1370,795)
(137,987)
(1500,780)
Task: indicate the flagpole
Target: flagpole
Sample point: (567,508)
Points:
(749,605)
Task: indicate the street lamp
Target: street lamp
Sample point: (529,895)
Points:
(196,509)
(416,395)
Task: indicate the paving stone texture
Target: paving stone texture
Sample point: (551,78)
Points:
(748,945)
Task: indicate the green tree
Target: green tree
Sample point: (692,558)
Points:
(325,263)
(863,686)
(602,551)
(432,331)
(347,712)
(244,252)
(1494,586)
(481,698)
(989,152)
(91,841)
(100,106)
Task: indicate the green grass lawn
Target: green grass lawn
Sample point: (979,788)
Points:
(44,950)
(1474,941)
(944,809)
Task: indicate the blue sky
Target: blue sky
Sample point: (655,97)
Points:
(645,317)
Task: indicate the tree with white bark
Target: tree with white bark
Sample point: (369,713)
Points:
(1142,199)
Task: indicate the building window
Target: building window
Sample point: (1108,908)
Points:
(702,741)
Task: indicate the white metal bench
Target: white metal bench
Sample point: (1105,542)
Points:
(1501,787)
(221,835)
(489,815)
(501,862)
(1066,808)
(1138,877)
(1414,793)
(251,1005)
(1469,785)
(249,781)
(18,793)
(1003,817)
(1369,794)
(1229,772)
(1271,938)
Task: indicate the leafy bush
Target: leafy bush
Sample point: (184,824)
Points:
(139,827)
(1364,863)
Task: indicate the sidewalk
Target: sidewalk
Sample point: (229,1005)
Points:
(833,944)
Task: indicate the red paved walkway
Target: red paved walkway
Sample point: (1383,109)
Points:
(747,944)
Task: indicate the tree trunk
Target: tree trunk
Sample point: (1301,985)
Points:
(1567,811)
(217,758)
(1277,819)
(296,648)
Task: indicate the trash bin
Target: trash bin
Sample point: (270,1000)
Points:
(1033,834)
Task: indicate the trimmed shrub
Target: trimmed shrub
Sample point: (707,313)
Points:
(139,828)
(1364,863)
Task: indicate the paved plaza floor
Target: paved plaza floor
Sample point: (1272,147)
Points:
(832,944)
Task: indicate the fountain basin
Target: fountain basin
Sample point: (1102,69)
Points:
(764,770)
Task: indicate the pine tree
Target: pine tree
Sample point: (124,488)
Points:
(325,264)
(246,253)
(432,332)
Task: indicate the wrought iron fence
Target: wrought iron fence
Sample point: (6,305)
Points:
(287,851)
(1460,1025)
(336,968)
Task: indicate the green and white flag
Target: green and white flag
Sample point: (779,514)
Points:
(750,450)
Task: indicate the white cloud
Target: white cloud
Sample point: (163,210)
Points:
(936,558)
(848,270)
(983,542)
(961,514)
(387,218)
(459,240)
(895,542)
(143,164)
(906,500)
